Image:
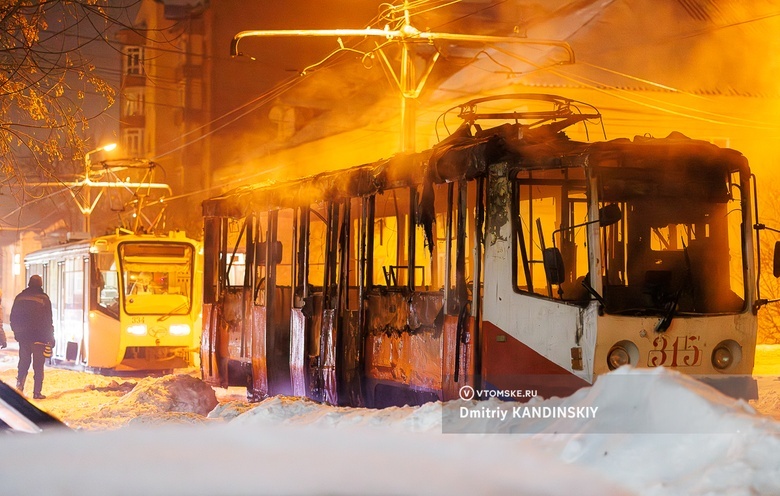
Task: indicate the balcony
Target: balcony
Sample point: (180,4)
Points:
(127,121)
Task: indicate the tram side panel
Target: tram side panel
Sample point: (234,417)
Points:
(394,346)
(102,343)
(64,271)
(420,323)
(528,337)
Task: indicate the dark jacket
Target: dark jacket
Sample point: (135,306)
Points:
(31,316)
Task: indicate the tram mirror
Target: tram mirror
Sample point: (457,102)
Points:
(776,260)
(276,252)
(553,265)
(610,214)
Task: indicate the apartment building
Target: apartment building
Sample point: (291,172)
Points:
(208,119)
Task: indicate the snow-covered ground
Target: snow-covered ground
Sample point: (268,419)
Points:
(174,435)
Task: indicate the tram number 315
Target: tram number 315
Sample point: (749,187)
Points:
(682,351)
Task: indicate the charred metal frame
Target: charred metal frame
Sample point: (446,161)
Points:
(350,205)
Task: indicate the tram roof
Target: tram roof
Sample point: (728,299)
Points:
(465,156)
(108,241)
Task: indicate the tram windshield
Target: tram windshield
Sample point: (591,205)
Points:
(679,244)
(156,278)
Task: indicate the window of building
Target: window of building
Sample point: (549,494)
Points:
(133,102)
(134,60)
(133,142)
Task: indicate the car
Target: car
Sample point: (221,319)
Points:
(19,415)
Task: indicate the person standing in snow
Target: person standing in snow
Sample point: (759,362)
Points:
(31,323)
(3,341)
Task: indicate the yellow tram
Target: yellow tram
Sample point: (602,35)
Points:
(124,302)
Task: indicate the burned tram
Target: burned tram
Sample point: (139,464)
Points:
(508,257)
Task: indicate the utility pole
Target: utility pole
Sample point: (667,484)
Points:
(409,84)
(86,210)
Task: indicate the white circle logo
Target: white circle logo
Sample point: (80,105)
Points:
(466,393)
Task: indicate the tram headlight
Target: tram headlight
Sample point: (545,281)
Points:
(618,356)
(179,329)
(721,358)
(622,353)
(137,329)
(726,354)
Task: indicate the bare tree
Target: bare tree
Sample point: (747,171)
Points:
(49,87)
(769,315)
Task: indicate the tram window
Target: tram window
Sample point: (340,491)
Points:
(459,249)
(679,247)
(391,224)
(318,236)
(435,262)
(211,241)
(547,203)
(355,213)
(236,264)
(154,282)
(157,280)
(261,270)
(471,227)
(736,269)
(73,289)
(106,282)
(285,245)
(439,259)
(234,258)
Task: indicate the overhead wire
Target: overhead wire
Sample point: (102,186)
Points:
(276,91)
(280,88)
(428,5)
(652,103)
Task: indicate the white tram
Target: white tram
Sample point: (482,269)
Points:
(124,302)
(509,258)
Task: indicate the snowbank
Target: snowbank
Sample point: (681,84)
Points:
(657,432)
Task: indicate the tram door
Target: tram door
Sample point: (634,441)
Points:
(273,297)
(71,302)
(463,229)
(326,342)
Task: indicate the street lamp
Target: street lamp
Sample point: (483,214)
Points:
(88,163)
(87,167)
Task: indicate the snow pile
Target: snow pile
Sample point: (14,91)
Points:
(176,398)
(662,432)
(656,433)
(170,393)
(299,412)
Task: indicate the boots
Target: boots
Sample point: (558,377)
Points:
(20,385)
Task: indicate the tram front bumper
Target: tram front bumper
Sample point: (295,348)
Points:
(737,386)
